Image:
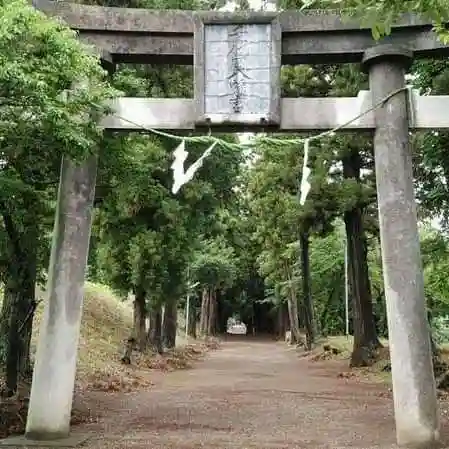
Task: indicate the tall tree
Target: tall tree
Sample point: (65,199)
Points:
(214,268)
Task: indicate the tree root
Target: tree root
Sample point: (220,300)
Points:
(332,349)
(441,373)
(128,350)
(368,354)
(363,356)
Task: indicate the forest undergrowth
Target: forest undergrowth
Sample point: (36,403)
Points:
(106,326)
(340,347)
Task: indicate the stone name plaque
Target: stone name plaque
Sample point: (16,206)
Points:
(237,70)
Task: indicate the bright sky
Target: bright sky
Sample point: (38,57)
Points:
(266,5)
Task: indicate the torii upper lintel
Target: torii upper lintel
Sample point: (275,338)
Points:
(166,36)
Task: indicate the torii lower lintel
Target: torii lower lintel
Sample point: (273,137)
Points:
(297,114)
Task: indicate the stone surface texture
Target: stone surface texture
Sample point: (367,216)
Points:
(147,36)
(55,363)
(414,392)
(429,112)
(237,69)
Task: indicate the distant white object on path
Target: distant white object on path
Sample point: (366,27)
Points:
(237,329)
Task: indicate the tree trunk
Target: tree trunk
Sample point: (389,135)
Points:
(279,330)
(26,326)
(19,303)
(282,322)
(155,330)
(204,311)
(365,335)
(285,320)
(140,315)
(191,328)
(364,328)
(292,302)
(169,325)
(294,320)
(5,318)
(14,344)
(211,318)
(128,351)
(253,320)
(219,313)
(309,320)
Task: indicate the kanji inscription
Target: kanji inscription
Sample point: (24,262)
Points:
(237,68)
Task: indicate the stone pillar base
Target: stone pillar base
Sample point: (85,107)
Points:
(74,440)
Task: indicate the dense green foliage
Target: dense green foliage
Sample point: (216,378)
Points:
(380,15)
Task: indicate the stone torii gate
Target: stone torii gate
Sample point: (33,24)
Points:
(223,47)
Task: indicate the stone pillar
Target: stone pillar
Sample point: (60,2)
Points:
(414,392)
(54,369)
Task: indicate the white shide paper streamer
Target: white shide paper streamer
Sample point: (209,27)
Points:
(305,184)
(181,177)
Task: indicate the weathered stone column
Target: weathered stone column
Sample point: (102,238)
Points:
(415,403)
(55,365)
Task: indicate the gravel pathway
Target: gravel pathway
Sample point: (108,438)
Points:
(249,394)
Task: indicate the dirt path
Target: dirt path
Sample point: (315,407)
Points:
(248,395)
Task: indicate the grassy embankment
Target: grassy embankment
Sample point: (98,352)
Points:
(106,325)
